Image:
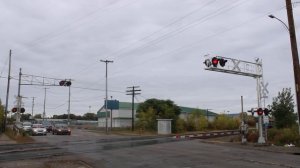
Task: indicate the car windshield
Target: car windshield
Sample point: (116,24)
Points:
(27,124)
(37,126)
(61,126)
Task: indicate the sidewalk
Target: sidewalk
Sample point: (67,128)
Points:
(4,139)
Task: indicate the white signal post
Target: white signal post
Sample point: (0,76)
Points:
(244,68)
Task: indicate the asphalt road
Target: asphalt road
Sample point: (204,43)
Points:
(100,150)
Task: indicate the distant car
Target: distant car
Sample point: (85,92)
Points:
(61,129)
(38,129)
(49,128)
(26,126)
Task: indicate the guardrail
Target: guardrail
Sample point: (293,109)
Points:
(206,135)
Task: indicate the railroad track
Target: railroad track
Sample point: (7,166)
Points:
(206,135)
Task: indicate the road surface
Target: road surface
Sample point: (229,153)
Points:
(105,151)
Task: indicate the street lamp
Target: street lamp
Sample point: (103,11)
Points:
(293,41)
(285,26)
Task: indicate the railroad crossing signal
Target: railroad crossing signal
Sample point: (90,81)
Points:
(65,83)
(267,111)
(215,61)
(15,109)
(260,111)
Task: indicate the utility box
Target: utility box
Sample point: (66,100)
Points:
(164,126)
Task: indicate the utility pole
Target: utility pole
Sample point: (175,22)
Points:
(133,91)
(111,110)
(295,56)
(32,106)
(106,62)
(7,93)
(44,112)
(69,104)
(18,117)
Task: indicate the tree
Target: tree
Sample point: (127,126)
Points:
(283,109)
(153,109)
(38,116)
(25,117)
(90,116)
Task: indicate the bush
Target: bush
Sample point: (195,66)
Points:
(284,136)
(224,122)
(252,136)
(180,125)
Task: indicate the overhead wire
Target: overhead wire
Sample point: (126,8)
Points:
(173,22)
(167,35)
(195,43)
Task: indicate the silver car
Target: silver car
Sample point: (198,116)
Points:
(26,126)
(38,129)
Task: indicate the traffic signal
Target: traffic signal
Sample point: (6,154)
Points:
(207,62)
(260,111)
(62,83)
(215,61)
(65,83)
(267,111)
(222,62)
(68,83)
(14,109)
(251,111)
(22,110)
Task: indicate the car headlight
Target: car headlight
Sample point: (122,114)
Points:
(59,130)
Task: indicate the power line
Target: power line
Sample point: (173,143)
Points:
(195,44)
(119,51)
(221,10)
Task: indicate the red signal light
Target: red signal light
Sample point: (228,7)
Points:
(215,61)
(14,109)
(62,83)
(260,111)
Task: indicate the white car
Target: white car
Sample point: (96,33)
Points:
(38,129)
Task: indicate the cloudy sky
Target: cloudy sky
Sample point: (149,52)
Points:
(158,45)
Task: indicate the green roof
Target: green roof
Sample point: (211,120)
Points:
(128,106)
